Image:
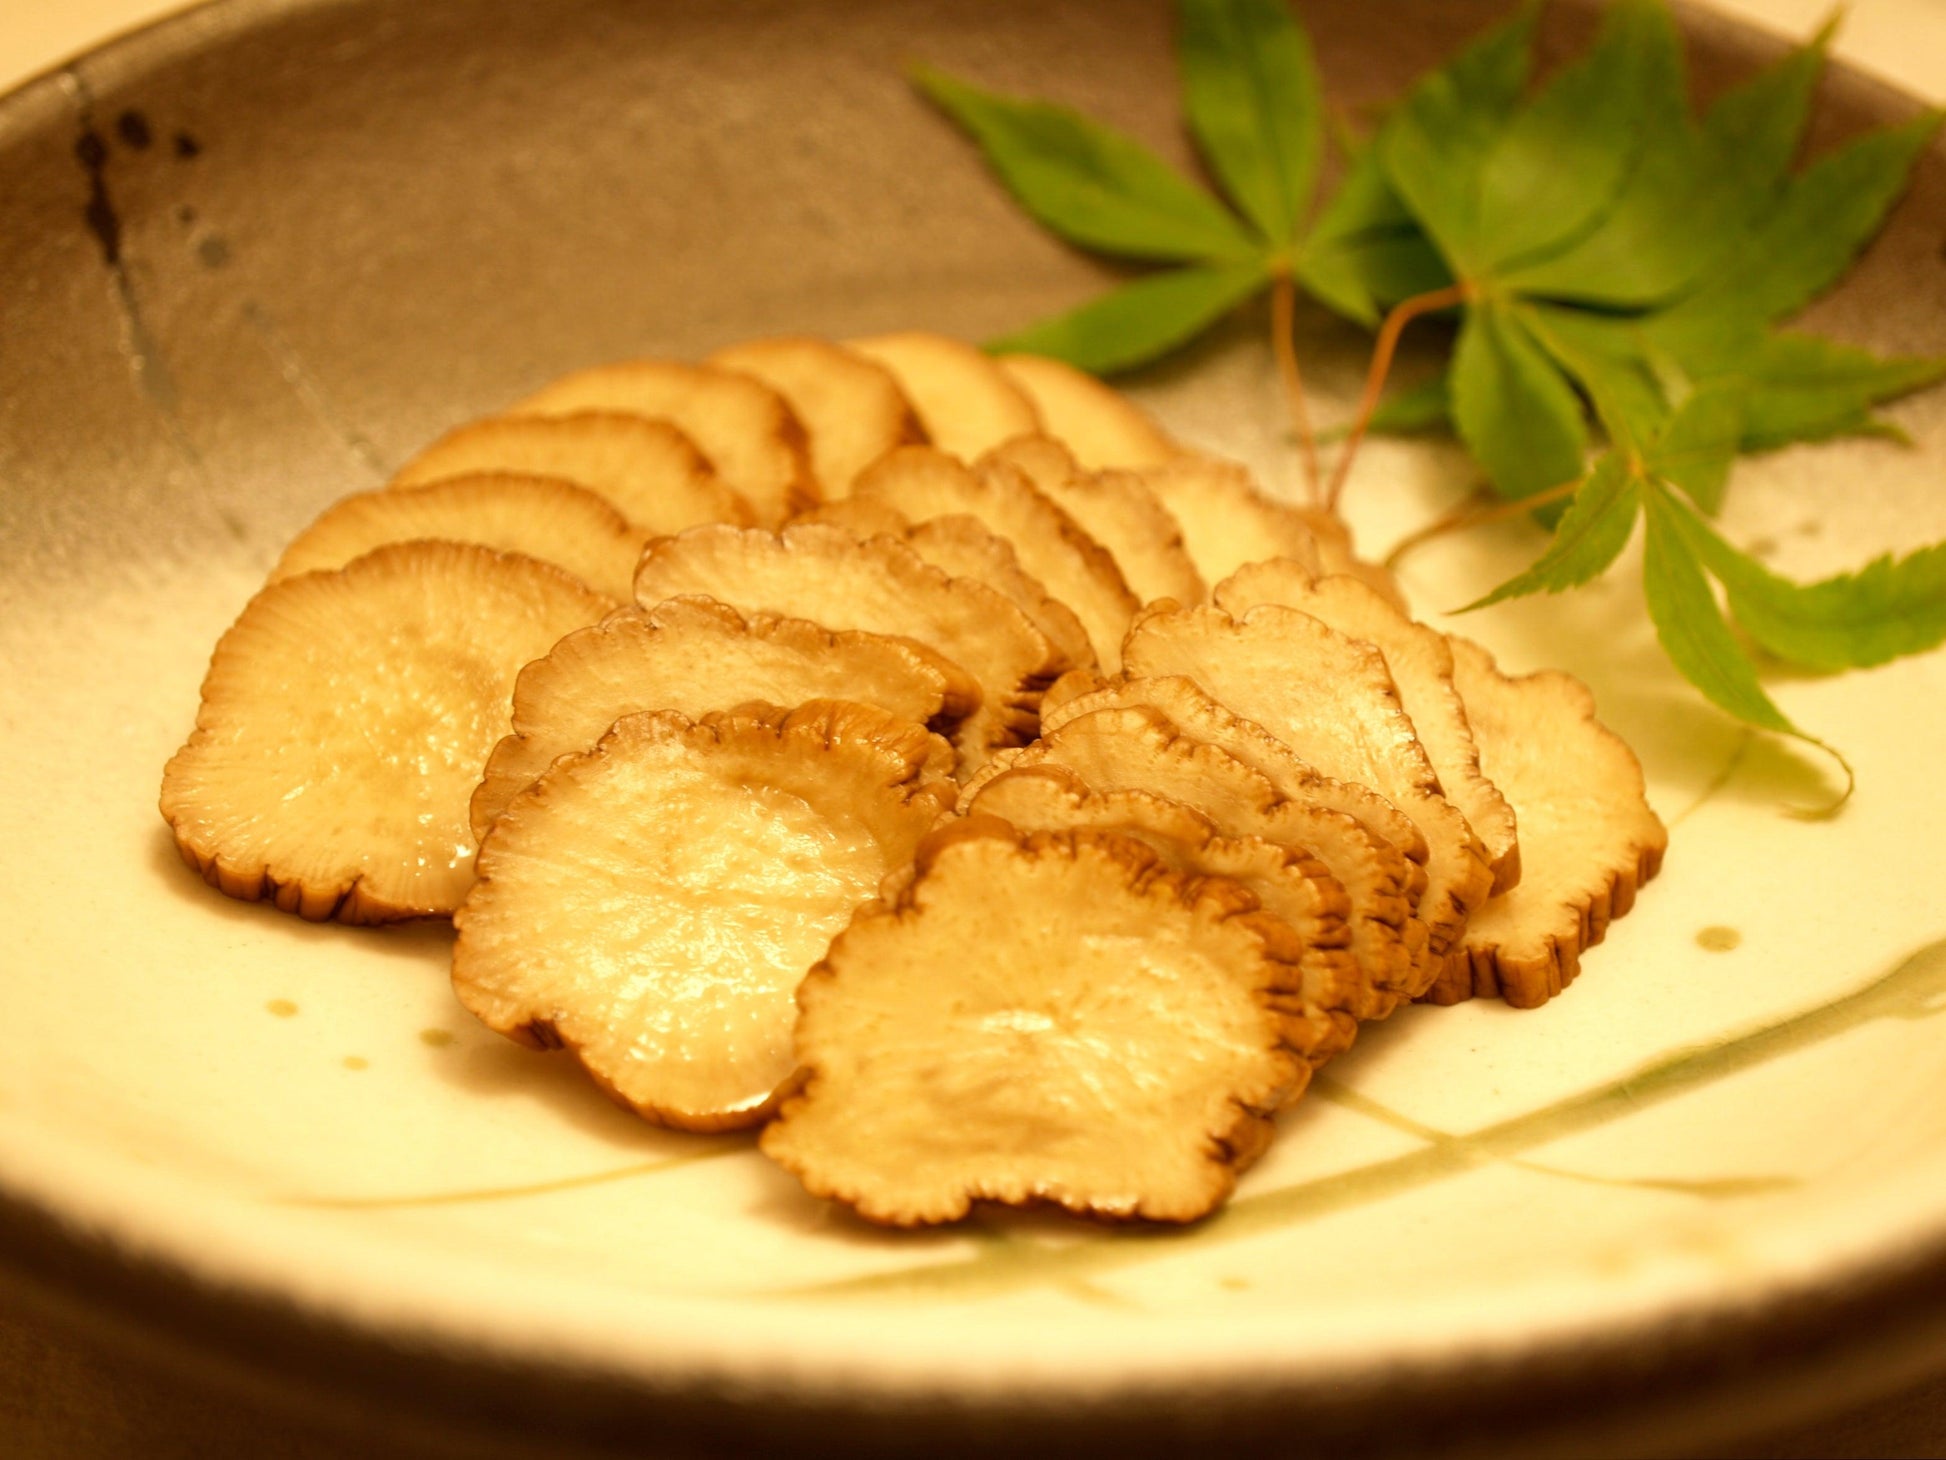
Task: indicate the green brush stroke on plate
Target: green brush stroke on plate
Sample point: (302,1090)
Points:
(1915,989)
(1711,1187)
(510,1193)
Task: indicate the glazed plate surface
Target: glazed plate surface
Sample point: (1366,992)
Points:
(251,260)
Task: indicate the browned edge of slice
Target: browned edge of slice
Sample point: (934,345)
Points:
(860,516)
(1289,883)
(1421,665)
(965,547)
(1254,671)
(649,470)
(923,483)
(576,530)
(879,585)
(285,725)
(1119,511)
(1332,700)
(913,1145)
(747,431)
(897,794)
(1591,837)
(962,546)
(1247,786)
(851,406)
(1199,715)
(694,656)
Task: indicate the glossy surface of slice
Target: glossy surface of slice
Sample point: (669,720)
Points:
(1050,1019)
(1192,707)
(964,401)
(1331,700)
(1139,748)
(695,655)
(544,518)
(828,576)
(649,469)
(962,546)
(743,427)
(652,904)
(923,483)
(1420,661)
(1100,425)
(851,407)
(343,723)
(965,547)
(1227,520)
(1119,511)
(1288,882)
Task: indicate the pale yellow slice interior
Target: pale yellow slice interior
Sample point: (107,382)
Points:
(1226,519)
(554,521)
(1103,427)
(964,400)
(694,655)
(649,470)
(1043,1020)
(851,407)
(653,904)
(745,429)
(344,721)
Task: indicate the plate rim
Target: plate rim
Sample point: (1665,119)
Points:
(99,1278)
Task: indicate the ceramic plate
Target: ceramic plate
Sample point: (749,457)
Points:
(253,258)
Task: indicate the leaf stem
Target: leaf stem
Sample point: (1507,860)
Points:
(1403,313)
(1477,511)
(1283,343)
(1826,813)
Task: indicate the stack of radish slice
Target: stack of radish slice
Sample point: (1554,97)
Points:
(993,798)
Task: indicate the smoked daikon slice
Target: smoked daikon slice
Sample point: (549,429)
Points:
(1589,839)
(1051,1019)
(344,720)
(652,904)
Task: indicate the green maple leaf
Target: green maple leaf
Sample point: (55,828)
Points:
(1140,321)
(1254,105)
(1641,306)
(1889,608)
(1620,268)
(1693,449)
(1670,247)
